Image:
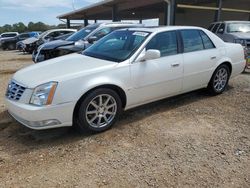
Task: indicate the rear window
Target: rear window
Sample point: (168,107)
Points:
(215,27)
(208,44)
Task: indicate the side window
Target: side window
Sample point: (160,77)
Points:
(210,27)
(215,27)
(52,35)
(101,33)
(65,32)
(208,44)
(221,29)
(165,42)
(192,40)
(23,36)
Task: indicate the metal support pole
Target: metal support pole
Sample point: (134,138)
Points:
(165,22)
(173,12)
(140,21)
(95,21)
(114,13)
(86,22)
(68,23)
(218,12)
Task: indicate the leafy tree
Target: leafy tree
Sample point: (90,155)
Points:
(21,27)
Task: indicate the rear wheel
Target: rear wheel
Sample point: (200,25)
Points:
(11,47)
(98,111)
(219,80)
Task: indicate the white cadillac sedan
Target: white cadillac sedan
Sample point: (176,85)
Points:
(125,69)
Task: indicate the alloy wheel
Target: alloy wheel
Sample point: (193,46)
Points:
(101,111)
(220,79)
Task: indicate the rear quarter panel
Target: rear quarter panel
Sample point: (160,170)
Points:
(236,53)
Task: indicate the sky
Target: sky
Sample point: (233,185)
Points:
(14,11)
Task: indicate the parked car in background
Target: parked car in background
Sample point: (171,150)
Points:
(30,44)
(10,43)
(78,41)
(235,32)
(7,35)
(63,37)
(125,69)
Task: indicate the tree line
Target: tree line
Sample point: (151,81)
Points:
(21,27)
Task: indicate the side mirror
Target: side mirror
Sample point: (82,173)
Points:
(221,31)
(92,39)
(149,55)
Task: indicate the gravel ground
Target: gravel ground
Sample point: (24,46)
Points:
(192,140)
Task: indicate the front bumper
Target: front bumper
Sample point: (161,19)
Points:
(40,118)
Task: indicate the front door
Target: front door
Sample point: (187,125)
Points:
(158,78)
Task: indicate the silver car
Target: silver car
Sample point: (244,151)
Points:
(235,32)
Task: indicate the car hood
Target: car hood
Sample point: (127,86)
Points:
(30,40)
(60,69)
(241,35)
(55,44)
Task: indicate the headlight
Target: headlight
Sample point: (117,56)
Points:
(240,41)
(43,94)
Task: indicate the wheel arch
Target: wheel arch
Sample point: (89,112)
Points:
(114,87)
(228,63)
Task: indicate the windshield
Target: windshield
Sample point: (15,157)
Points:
(238,27)
(117,46)
(82,33)
(43,34)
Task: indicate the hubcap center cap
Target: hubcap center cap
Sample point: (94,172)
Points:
(101,110)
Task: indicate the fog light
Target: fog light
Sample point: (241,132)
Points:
(44,123)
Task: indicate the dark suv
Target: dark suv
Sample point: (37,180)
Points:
(235,32)
(10,43)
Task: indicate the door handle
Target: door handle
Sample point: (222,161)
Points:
(175,64)
(214,57)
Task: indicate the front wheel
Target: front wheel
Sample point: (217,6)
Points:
(219,80)
(98,111)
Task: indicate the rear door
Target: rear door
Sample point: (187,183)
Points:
(200,57)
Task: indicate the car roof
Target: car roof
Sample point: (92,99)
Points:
(114,24)
(163,28)
(231,21)
(10,33)
(52,30)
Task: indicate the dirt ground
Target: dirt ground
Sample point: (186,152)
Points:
(192,140)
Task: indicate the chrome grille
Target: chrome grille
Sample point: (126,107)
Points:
(14,91)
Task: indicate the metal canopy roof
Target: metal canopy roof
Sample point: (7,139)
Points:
(126,9)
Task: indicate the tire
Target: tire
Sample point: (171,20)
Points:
(219,80)
(11,47)
(97,115)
